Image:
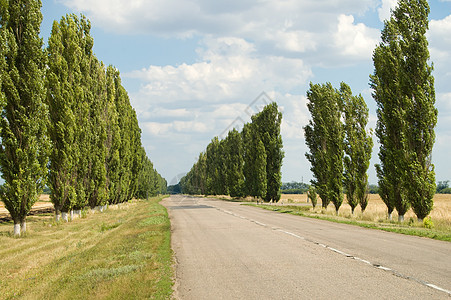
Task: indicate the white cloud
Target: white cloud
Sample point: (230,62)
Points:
(385,10)
(246,47)
(440,38)
(162,129)
(228,68)
(356,40)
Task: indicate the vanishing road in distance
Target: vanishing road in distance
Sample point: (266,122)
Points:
(225,250)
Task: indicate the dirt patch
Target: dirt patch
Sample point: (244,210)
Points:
(42,206)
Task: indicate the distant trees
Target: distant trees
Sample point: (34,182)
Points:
(239,164)
(443,187)
(339,150)
(404,92)
(65,117)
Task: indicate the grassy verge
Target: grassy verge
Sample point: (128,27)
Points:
(122,253)
(409,227)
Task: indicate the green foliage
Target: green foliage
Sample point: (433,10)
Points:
(64,98)
(294,188)
(358,145)
(150,182)
(427,223)
(442,186)
(64,86)
(404,92)
(445,191)
(242,164)
(324,137)
(311,194)
(24,140)
(254,162)
(234,163)
(267,124)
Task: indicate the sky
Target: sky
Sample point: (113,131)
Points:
(196,68)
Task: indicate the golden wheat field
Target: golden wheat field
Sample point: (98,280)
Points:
(376,209)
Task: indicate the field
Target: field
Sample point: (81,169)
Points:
(122,253)
(376,209)
(437,225)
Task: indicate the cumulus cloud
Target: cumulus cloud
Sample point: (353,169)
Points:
(440,38)
(356,40)
(245,47)
(228,68)
(385,10)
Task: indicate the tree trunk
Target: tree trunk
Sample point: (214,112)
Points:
(420,220)
(16,229)
(390,217)
(57,215)
(64,216)
(401,218)
(71,214)
(23,226)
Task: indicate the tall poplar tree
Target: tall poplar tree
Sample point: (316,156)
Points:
(82,113)
(235,163)
(267,124)
(324,137)
(97,191)
(63,91)
(24,143)
(404,92)
(254,162)
(358,146)
(212,168)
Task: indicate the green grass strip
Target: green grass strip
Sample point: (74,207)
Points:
(397,227)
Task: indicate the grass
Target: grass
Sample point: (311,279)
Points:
(118,254)
(437,226)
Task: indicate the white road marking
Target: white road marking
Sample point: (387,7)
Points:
(377,266)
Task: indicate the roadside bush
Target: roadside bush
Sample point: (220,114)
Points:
(311,194)
(427,223)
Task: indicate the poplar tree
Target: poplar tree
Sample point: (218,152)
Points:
(97,192)
(418,88)
(82,113)
(254,162)
(404,93)
(212,168)
(235,163)
(324,137)
(24,143)
(358,145)
(267,124)
(63,91)
(113,140)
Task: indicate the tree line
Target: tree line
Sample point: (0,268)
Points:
(340,147)
(66,120)
(246,163)
(403,88)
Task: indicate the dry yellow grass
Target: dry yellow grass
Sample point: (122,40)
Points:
(376,209)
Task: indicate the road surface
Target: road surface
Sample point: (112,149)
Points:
(225,250)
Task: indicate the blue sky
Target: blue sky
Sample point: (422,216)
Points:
(194,67)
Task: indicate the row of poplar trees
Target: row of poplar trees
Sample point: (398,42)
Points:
(340,147)
(246,163)
(403,88)
(66,120)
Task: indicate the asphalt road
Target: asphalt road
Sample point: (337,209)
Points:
(225,250)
